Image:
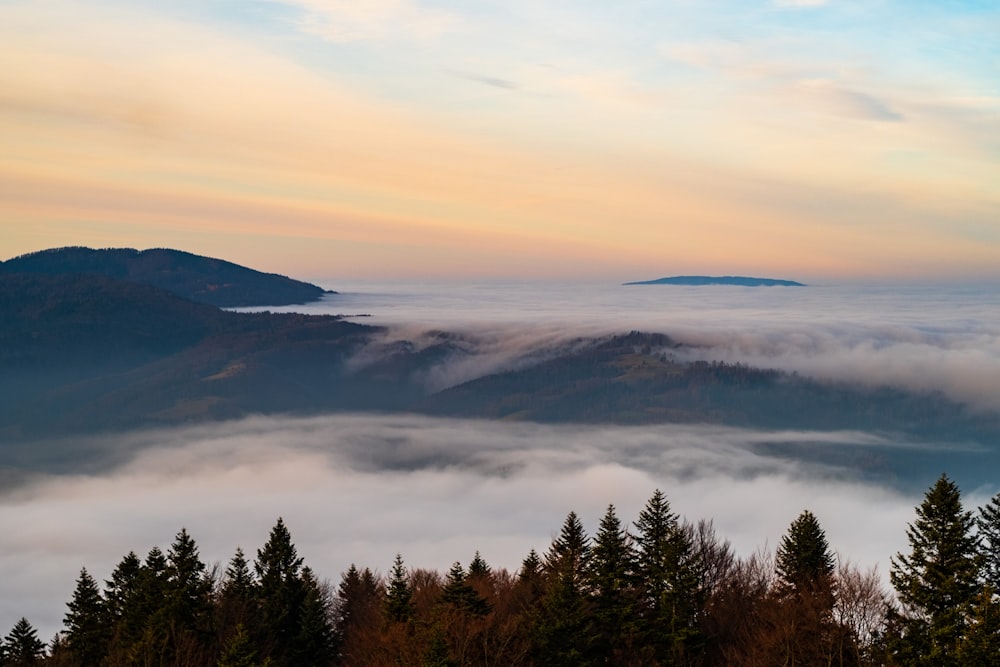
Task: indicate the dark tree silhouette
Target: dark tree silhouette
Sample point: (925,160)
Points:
(803,559)
(611,573)
(87,622)
(281,594)
(399,594)
(22,646)
(937,582)
(563,625)
(667,581)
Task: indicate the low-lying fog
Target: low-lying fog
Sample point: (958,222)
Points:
(360,488)
(943,338)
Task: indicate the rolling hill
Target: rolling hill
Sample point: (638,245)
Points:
(202,279)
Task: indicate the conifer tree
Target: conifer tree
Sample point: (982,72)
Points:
(459,594)
(399,594)
(188,603)
(239,581)
(479,567)
(530,587)
(121,588)
(87,628)
(22,646)
(803,613)
(562,630)
(531,565)
(611,571)
(667,581)
(937,582)
(190,588)
(803,559)
(981,643)
(237,595)
(315,644)
(358,613)
(988,523)
(569,554)
(145,635)
(281,593)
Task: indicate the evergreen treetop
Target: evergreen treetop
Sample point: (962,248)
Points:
(803,558)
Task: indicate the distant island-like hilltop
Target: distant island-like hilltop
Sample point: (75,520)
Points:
(742,281)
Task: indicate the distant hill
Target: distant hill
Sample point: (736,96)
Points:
(742,281)
(203,279)
(82,354)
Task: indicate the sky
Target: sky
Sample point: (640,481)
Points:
(803,139)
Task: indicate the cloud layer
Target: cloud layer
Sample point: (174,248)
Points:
(925,338)
(361,488)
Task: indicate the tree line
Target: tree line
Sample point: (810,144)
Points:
(659,591)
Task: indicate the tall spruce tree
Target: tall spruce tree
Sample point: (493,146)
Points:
(121,588)
(562,633)
(21,646)
(803,616)
(281,594)
(667,579)
(87,622)
(188,605)
(938,581)
(612,563)
(399,593)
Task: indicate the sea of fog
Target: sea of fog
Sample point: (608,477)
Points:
(360,488)
(922,337)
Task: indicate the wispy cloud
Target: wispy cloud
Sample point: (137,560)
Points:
(829,96)
(372,20)
(799,3)
(486,80)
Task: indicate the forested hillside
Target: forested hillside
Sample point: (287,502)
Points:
(659,591)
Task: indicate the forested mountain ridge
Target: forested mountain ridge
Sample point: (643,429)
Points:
(203,279)
(83,353)
(661,590)
(635,379)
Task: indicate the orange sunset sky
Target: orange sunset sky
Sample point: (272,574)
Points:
(403,138)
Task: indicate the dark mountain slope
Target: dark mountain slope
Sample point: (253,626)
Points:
(633,379)
(87,353)
(203,279)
